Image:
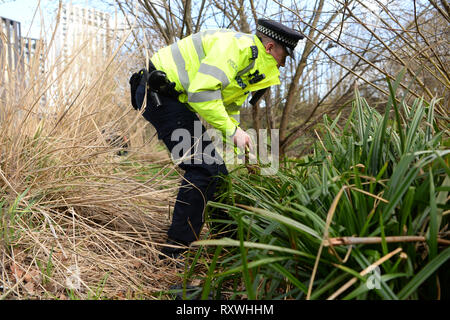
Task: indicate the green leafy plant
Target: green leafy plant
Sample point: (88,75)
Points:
(366,206)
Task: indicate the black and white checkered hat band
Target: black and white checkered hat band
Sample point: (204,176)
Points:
(277,36)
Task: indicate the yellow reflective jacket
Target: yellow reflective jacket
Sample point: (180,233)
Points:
(214,70)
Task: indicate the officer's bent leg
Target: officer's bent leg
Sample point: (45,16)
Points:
(201,172)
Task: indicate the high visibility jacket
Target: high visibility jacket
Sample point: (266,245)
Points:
(215,71)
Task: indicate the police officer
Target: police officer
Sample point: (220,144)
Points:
(212,72)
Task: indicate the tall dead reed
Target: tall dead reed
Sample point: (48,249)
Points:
(78,220)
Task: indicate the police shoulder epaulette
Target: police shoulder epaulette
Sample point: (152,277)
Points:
(254,52)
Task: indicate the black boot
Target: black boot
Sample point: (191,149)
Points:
(171,252)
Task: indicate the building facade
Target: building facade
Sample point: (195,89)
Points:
(10,48)
(82,28)
(81,43)
(82,40)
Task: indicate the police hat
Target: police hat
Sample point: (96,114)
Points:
(280,33)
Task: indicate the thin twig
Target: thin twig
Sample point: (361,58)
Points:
(344,241)
(363,273)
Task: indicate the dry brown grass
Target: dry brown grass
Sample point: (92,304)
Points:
(68,204)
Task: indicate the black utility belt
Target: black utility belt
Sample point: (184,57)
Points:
(160,84)
(153,82)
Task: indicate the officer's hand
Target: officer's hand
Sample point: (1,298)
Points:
(242,140)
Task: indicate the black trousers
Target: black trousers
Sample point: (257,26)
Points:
(177,126)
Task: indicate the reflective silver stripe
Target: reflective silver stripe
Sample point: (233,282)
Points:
(236,117)
(197,40)
(213,31)
(215,72)
(210,32)
(240,34)
(249,67)
(204,96)
(181,66)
